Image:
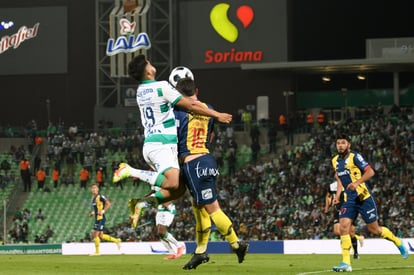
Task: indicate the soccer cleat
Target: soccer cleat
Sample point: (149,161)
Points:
(196,260)
(356,256)
(121,173)
(95,254)
(403,251)
(118,243)
(131,206)
(140,208)
(342,267)
(361,241)
(241,251)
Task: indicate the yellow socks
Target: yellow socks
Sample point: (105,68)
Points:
(203,227)
(97,241)
(225,227)
(346,245)
(108,238)
(388,235)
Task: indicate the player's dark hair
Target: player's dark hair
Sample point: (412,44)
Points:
(343,136)
(136,67)
(186,86)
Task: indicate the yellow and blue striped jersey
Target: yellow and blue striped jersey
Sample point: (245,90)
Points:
(350,170)
(98,204)
(194,132)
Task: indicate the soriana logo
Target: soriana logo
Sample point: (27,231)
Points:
(223,26)
(228,31)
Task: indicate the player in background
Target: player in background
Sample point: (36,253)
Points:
(163,220)
(329,198)
(352,172)
(201,171)
(100,205)
(156,100)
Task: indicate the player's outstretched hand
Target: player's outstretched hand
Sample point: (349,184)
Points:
(224,118)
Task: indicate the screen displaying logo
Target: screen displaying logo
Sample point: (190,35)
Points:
(222,24)
(14,40)
(33,40)
(227,33)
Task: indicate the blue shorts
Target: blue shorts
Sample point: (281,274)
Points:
(99,225)
(201,175)
(366,208)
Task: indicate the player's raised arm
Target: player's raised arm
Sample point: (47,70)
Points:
(195,107)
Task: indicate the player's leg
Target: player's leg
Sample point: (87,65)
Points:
(138,206)
(107,237)
(369,215)
(163,220)
(203,229)
(204,193)
(97,233)
(225,227)
(97,242)
(354,242)
(346,244)
(162,159)
(385,233)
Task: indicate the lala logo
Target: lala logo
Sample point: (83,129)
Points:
(127,42)
(223,26)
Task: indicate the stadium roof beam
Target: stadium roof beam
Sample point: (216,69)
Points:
(337,66)
(343,66)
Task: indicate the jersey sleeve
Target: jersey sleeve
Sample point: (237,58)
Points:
(360,161)
(170,93)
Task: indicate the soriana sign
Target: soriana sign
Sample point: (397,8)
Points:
(228,33)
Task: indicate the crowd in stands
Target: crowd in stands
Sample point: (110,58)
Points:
(277,199)
(284,198)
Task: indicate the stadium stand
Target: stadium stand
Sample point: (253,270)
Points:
(283,192)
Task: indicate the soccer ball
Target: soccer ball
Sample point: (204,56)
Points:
(178,73)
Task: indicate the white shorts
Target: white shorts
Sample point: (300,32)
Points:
(164,218)
(161,157)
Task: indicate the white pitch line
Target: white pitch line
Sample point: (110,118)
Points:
(359,269)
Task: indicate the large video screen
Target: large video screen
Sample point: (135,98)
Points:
(33,40)
(223,34)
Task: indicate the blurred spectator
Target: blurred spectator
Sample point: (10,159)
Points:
(39,215)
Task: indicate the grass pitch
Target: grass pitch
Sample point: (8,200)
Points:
(218,264)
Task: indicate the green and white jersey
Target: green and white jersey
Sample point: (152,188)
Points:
(170,209)
(156,100)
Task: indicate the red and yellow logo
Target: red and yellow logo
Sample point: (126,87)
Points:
(227,30)
(223,26)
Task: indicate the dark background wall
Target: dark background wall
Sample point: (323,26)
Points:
(72,95)
(319,29)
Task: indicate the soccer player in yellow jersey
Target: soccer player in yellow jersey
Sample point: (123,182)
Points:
(100,205)
(200,170)
(352,172)
(329,198)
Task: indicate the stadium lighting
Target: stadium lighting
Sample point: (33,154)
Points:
(326,79)
(361,77)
